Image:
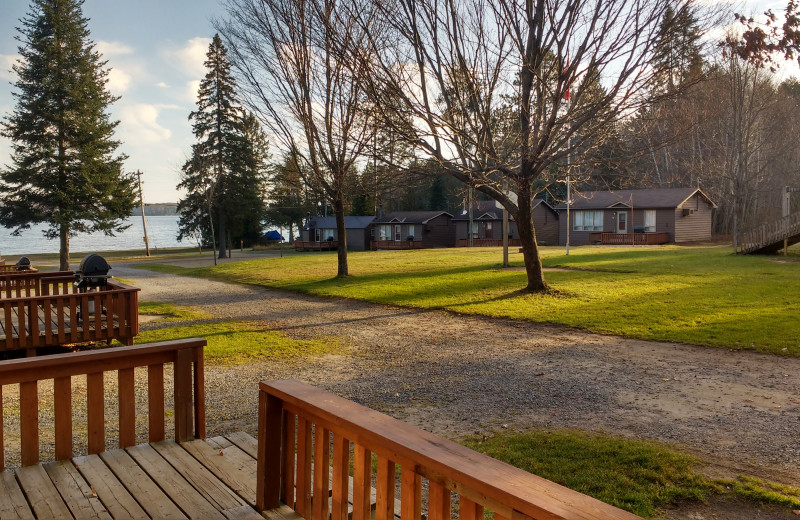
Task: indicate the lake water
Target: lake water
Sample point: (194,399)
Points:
(161,231)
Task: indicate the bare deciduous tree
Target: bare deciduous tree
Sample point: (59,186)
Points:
(292,60)
(499,91)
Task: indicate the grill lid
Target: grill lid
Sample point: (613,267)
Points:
(23,264)
(93,265)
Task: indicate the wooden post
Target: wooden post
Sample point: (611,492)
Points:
(183,396)
(268,474)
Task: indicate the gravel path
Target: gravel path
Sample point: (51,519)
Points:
(459,375)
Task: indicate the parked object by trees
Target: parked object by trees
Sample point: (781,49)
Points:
(291,56)
(66,172)
(561,73)
(226,174)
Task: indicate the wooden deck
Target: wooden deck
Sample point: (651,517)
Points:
(300,466)
(46,309)
(212,479)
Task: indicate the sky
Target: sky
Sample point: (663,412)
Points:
(156,50)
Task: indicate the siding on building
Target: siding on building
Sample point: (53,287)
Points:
(697,225)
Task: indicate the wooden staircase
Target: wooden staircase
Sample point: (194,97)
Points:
(769,238)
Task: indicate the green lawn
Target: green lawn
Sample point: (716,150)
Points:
(700,295)
(638,476)
(240,342)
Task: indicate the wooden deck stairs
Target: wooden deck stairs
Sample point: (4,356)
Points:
(770,238)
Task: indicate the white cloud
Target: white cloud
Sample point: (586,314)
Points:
(113,48)
(189,58)
(139,125)
(161,84)
(118,81)
(6,61)
(191,90)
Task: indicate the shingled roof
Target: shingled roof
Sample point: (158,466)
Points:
(489,210)
(410,217)
(350,222)
(639,199)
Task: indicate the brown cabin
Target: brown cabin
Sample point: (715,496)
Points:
(413,230)
(487,225)
(652,216)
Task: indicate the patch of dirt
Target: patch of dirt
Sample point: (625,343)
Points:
(458,375)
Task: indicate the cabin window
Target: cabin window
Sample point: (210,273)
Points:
(587,221)
(385,232)
(650,221)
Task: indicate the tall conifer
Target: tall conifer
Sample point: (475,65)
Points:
(224,176)
(65,172)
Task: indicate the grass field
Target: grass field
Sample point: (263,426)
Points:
(700,295)
(638,476)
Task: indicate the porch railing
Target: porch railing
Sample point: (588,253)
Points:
(18,284)
(326,245)
(639,239)
(396,244)
(55,315)
(188,399)
(487,242)
(298,423)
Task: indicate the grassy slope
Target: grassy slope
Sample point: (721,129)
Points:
(701,295)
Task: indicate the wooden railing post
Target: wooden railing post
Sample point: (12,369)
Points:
(270,433)
(184,402)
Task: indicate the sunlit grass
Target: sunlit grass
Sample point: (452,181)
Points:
(172,312)
(700,295)
(239,342)
(639,476)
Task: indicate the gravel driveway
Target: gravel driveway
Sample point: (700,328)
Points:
(458,375)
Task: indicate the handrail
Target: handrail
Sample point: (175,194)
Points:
(770,233)
(481,482)
(189,394)
(15,284)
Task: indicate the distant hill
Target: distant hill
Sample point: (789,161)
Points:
(157,210)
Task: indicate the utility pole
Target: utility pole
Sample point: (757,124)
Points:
(144,222)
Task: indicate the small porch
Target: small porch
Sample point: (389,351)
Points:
(629,239)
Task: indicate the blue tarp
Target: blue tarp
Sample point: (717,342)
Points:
(273,235)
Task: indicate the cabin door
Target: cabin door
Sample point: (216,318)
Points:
(622,222)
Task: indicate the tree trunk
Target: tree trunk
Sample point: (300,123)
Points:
(223,239)
(341,232)
(63,263)
(527,237)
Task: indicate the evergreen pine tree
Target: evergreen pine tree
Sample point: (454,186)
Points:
(224,178)
(65,170)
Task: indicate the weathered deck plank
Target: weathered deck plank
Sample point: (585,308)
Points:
(42,494)
(136,481)
(75,491)
(174,485)
(12,500)
(119,502)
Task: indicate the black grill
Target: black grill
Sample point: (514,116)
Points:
(93,272)
(23,264)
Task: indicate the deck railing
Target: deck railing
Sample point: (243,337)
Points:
(189,395)
(638,239)
(60,316)
(396,244)
(18,284)
(487,242)
(770,234)
(298,423)
(325,245)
